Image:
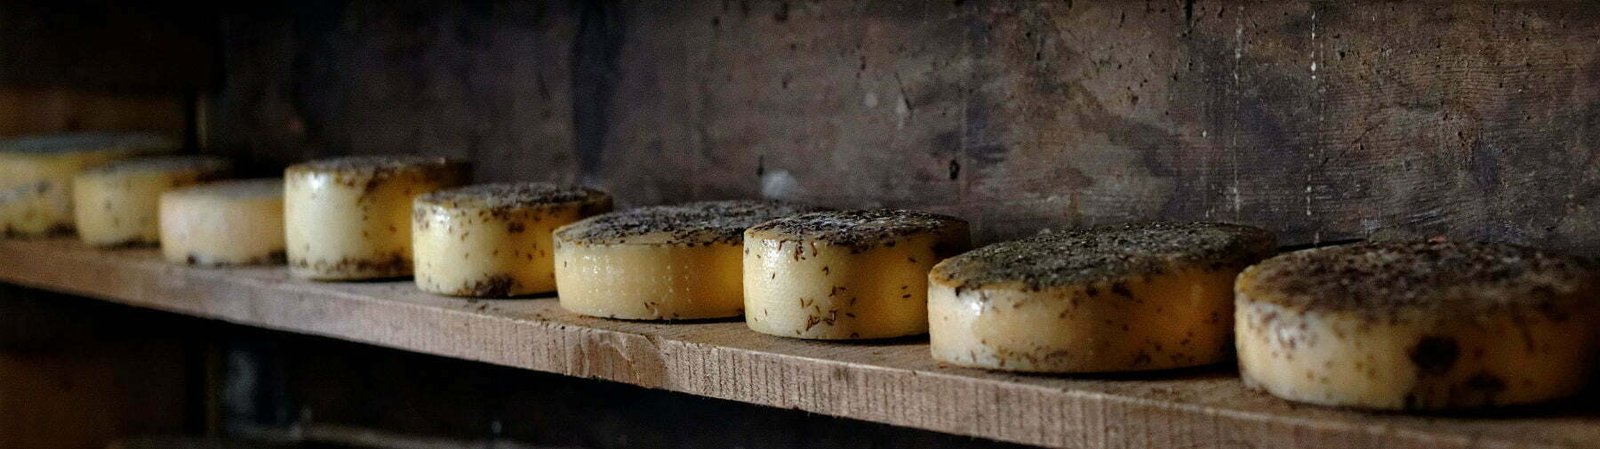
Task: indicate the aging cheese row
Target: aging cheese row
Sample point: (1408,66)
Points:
(1395,326)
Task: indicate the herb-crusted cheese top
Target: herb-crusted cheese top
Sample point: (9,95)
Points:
(95,141)
(690,224)
(1439,279)
(237,189)
(1075,257)
(162,164)
(857,229)
(512,196)
(376,165)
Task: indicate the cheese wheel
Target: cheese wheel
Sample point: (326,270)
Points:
(224,223)
(836,275)
(493,240)
(350,218)
(1418,325)
(1119,298)
(36,175)
(659,263)
(116,204)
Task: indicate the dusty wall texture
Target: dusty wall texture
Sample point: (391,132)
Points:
(1323,121)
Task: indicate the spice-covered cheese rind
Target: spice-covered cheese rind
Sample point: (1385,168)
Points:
(1418,325)
(117,204)
(36,175)
(493,240)
(674,262)
(836,275)
(350,218)
(1118,298)
(224,223)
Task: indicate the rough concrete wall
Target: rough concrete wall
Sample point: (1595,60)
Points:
(1323,121)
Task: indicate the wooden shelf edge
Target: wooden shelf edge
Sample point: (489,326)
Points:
(888,382)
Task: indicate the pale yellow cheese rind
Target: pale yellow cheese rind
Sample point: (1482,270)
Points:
(833,293)
(224,223)
(845,275)
(1419,325)
(118,204)
(671,262)
(352,221)
(474,251)
(1352,360)
(650,282)
(1180,318)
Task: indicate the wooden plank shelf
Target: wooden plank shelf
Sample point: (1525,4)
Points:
(888,382)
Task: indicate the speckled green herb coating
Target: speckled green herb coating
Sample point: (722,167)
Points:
(372,164)
(1110,253)
(701,223)
(368,172)
(510,196)
(858,229)
(1452,278)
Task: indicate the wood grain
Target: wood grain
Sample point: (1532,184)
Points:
(891,382)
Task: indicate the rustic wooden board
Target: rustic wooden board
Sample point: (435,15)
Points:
(890,382)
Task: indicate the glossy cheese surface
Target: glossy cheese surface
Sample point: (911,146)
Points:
(1418,325)
(36,175)
(117,204)
(224,223)
(1120,298)
(350,218)
(493,240)
(839,275)
(674,262)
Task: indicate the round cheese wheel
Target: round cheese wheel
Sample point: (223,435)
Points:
(350,218)
(224,223)
(493,240)
(1119,298)
(1418,325)
(838,275)
(117,204)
